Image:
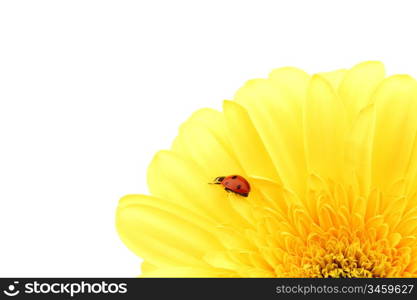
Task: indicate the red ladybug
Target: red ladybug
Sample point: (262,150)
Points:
(234,183)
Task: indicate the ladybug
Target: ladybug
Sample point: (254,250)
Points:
(234,183)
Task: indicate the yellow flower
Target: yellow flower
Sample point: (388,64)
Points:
(332,163)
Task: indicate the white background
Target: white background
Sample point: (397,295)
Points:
(90,90)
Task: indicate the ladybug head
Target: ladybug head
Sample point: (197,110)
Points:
(218,180)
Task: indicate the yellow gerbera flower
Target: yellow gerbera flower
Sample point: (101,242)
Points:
(332,163)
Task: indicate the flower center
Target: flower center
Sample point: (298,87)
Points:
(343,258)
(336,266)
(324,236)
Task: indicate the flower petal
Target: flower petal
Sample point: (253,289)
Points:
(334,77)
(203,139)
(274,107)
(135,200)
(395,130)
(246,143)
(325,127)
(359,145)
(187,272)
(161,237)
(292,82)
(358,85)
(182,182)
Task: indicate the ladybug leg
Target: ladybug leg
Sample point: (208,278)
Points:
(214,182)
(228,190)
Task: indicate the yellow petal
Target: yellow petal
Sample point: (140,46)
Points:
(145,229)
(221,260)
(275,109)
(246,143)
(273,192)
(292,83)
(203,139)
(135,200)
(359,146)
(324,128)
(395,129)
(149,270)
(187,272)
(358,86)
(182,182)
(233,239)
(373,204)
(147,267)
(334,77)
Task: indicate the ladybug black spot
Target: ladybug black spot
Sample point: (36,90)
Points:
(234,177)
(238,187)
